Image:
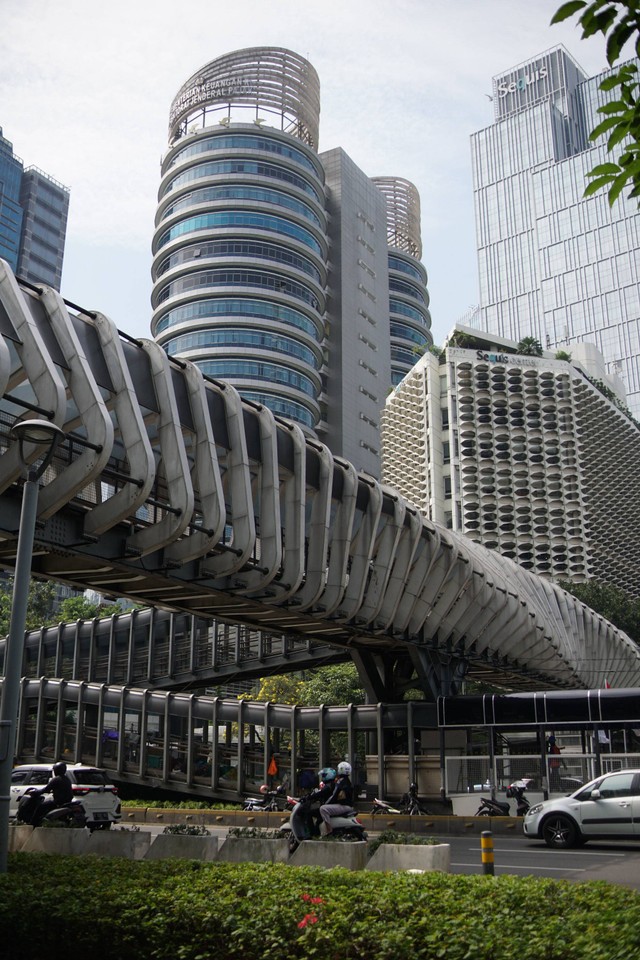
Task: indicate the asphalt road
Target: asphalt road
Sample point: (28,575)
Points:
(522,857)
(616,862)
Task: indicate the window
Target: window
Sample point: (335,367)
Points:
(618,785)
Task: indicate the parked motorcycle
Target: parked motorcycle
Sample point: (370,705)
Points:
(515,791)
(410,804)
(267,801)
(303,824)
(501,808)
(381,806)
(493,808)
(72,814)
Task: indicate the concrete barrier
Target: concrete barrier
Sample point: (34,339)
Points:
(18,836)
(167,846)
(411,856)
(118,843)
(61,840)
(330,853)
(253,850)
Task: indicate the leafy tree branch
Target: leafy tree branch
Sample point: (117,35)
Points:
(618,21)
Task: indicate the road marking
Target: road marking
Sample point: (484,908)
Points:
(508,866)
(573,853)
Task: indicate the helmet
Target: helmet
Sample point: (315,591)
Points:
(264,788)
(327,774)
(59,769)
(344,769)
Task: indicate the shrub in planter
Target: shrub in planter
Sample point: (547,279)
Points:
(395,836)
(254,833)
(187,830)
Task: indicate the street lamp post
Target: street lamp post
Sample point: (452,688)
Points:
(45,435)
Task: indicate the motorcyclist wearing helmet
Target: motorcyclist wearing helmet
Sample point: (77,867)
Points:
(341,799)
(59,786)
(312,802)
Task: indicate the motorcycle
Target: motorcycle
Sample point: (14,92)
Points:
(410,804)
(303,824)
(493,808)
(515,791)
(72,814)
(267,802)
(381,806)
(501,808)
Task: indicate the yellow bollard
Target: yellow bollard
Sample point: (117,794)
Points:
(486,846)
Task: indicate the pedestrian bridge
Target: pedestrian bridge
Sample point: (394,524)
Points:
(172,491)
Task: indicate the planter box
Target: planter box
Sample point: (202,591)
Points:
(169,846)
(329,854)
(118,843)
(254,850)
(66,841)
(18,836)
(411,856)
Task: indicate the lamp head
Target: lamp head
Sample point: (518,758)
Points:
(41,433)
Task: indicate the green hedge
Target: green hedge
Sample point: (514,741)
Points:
(180,805)
(57,907)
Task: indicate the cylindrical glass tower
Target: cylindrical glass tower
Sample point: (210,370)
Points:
(240,244)
(409,317)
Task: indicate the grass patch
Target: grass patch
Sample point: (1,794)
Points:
(189,910)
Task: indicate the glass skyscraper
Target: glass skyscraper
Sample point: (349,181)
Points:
(10,209)
(33,219)
(553,264)
(275,266)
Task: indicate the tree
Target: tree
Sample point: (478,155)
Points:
(336,684)
(40,604)
(619,22)
(280,688)
(611,603)
(563,355)
(529,347)
(331,685)
(79,608)
(461,339)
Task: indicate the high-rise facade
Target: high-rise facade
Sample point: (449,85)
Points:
(33,219)
(553,264)
(272,262)
(534,457)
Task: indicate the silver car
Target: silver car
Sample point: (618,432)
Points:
(91,785)
(607,808)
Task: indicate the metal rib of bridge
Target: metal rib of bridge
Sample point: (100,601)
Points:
(171,490)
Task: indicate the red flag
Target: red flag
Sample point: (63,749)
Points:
(607,685)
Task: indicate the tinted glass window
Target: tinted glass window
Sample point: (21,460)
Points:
(19,776)
(90,777)
(40,776)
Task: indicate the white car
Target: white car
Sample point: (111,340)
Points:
(91,786)
(607,808)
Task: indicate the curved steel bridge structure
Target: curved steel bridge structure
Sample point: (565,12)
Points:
(172,491)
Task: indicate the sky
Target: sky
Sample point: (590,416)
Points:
(85,91)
